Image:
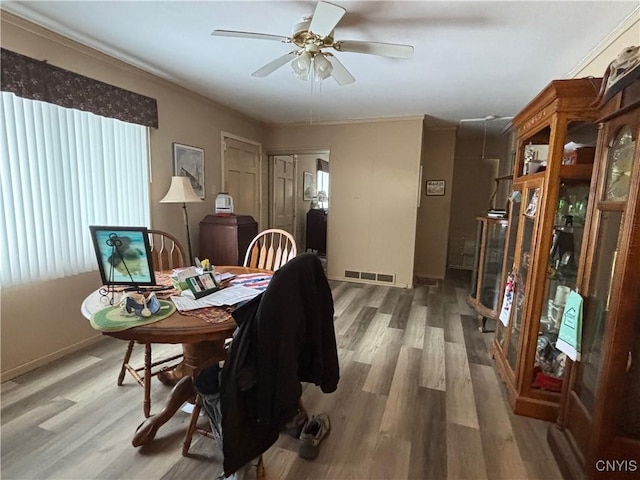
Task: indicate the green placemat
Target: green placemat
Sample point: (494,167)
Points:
(112,319)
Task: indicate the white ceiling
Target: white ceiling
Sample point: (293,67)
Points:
(472,59)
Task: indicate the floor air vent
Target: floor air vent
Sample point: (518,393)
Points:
(370,276)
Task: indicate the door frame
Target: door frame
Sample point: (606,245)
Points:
(294,152)
(270,197)
(223,136)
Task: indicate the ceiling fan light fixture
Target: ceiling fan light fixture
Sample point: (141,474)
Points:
(312,36)
(322,66)
(301,65)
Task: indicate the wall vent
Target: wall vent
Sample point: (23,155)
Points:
(371,276)
(351,274)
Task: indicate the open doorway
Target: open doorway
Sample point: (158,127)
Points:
(299,197)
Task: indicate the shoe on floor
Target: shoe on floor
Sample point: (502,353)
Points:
(312,434)
(295,426)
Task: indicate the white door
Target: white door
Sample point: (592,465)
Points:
(241,176)
(283,195)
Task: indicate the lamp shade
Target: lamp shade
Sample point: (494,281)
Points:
(181,191)
(322,66)
(301,65)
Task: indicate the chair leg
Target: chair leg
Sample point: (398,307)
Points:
(193,424)
(260,473)
(125,362)
(147,380)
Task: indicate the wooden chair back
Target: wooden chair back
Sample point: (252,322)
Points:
(167,252)
(270,250)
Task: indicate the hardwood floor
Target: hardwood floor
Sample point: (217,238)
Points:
(418,398)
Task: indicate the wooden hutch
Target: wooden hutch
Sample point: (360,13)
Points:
(598,430)
(548,209)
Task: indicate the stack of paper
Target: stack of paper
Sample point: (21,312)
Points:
(227,296)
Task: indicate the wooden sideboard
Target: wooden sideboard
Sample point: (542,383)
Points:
(224,239)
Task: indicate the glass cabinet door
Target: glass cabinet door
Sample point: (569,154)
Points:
(476,262)
(510,249)
(492,265)
(596,306)
(561,278)
(528,219)
(610,211)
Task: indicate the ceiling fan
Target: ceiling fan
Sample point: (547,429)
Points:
(311,37)
(488,118)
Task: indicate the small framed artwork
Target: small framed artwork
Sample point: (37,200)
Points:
(435,187)
(189,162)
(123,254)
(203,284)
(308,186)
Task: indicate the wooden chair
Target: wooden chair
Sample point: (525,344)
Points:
(166,253)
(270,250)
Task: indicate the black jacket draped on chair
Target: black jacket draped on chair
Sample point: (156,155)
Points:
(285,336)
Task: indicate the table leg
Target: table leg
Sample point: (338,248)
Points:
(172,376)
(182,392)
(195,357)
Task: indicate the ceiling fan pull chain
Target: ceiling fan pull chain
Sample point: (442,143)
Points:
(319,81)
(312,78)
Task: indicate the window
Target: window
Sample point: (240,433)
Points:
(323,189)
(62,170)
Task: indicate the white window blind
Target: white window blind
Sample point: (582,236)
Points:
(62,170)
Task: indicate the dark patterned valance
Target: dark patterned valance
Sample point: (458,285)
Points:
(37,80)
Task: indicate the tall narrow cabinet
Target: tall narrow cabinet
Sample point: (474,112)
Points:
(598,430)
(546,226)
(486,278)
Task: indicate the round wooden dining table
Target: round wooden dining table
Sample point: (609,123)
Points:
(202,346)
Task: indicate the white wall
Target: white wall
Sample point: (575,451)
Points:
(374,182)
(438,150)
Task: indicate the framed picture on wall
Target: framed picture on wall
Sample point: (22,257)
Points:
(435,187)
(308,186)
(189,162)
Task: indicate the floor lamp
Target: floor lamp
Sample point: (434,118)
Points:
(181,191)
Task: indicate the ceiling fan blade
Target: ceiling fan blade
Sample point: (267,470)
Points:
(325,18)
(252,35)
(273,65)
(339,72)
(394,50)
(488,118)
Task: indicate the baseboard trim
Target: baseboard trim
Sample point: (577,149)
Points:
(39,362)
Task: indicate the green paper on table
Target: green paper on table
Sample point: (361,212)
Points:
(114,319)
(570,335)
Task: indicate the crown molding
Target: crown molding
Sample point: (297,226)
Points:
(631,20)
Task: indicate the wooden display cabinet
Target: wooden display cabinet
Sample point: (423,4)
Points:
(546,225)
(598,430)
(486,279)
